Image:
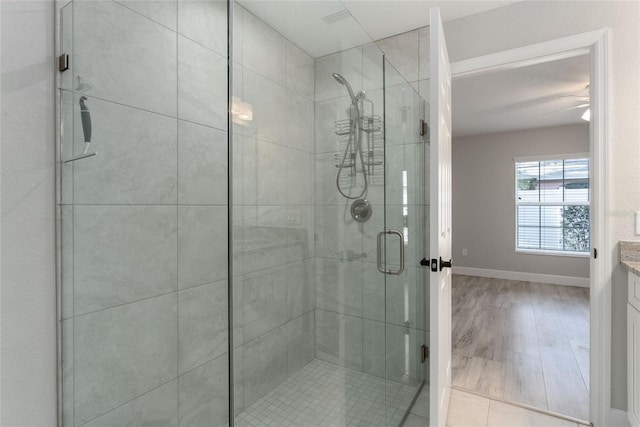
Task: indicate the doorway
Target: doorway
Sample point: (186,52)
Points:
(521,309)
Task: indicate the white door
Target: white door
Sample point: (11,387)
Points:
(440,232)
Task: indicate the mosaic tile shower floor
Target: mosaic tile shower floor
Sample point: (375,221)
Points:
(325,395)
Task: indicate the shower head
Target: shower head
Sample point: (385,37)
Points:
(344,81)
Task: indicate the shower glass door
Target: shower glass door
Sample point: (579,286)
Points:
(405,243)
(143,213)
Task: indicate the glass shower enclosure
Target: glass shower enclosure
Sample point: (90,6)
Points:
(243,204)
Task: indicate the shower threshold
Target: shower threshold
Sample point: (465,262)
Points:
(322,394)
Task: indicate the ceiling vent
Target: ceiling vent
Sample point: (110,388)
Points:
(335,17)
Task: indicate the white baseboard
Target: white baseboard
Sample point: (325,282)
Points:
(526,277)
(618,418)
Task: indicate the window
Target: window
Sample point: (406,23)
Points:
(552,205)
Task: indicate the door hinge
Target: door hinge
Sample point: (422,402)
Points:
(63,62)
(424,128)
(595,253)
(424,350)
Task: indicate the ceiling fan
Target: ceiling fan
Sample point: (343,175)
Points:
(583,99)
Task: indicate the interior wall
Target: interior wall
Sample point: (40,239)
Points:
(361,316)
(28,269)
(28,361)
(483,175)
(273,258)
(144,222)
(528,22)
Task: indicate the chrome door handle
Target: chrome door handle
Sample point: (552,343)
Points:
(400,270)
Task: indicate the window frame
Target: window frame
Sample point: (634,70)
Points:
(566,156)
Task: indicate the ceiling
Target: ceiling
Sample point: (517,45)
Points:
(301,21)
(521,98)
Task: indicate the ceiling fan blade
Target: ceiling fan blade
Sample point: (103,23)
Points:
(568,108)
(580,97)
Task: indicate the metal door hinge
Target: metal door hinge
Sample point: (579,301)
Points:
(63,62)
(424,353)
(424,128)
(595,253)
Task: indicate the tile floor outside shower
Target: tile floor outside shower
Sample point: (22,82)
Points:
(522,342)
(322,394)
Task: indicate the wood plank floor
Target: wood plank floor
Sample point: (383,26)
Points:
(522,342)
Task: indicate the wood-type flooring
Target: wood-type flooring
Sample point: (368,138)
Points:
(522,342)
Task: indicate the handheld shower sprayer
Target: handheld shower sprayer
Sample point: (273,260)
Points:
(353,149)
(343,81)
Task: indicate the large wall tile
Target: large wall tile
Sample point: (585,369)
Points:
(374,225)
(339,286)
(265,302)
(202,165)
(402,297)
(66,41)
(108,35)
(238,380)
(373,293)
(66,366)
(202,245)
(300,122)
(339,339)
(68,147)
(156,408)
(66,262)
(300,232)
(265,237)
(237,178)
(406,160)
(299,177)
(403,364)
(205,22)
(348,64)
(122,254)
(238,30)
(300,341)
(238,310)
(202,325)
(325,189)
(161,11)
(136,160)
(327,112)
(425,53)
(264,49)
(402,51)
(271,171)
(265,364)
(203,394)
(374,350)
(373,74)
(300,288)
(202,85)
(300,71)
(122,353)
(337,234)
(267,101)
(265,166)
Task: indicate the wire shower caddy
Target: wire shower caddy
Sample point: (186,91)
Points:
(371,127)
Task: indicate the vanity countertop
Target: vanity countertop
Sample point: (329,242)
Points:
(630,256)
